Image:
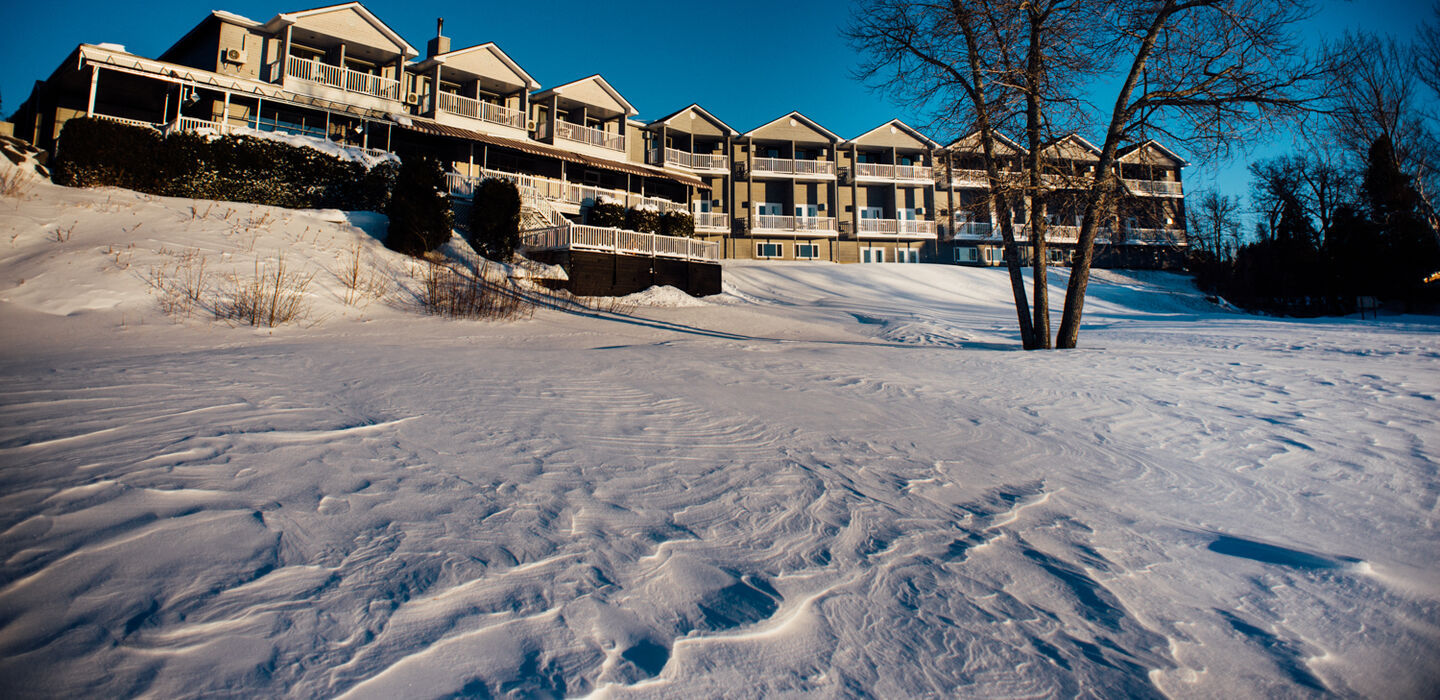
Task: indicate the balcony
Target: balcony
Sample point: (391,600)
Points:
(812,225)
(1159,188)
(312,70)
(712,221)
(693,161)
(587,135)
(903,173)
(896,228)
(792,166)
(975,230)
(483,111)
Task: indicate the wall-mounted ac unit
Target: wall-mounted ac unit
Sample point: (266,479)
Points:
(234,55)
(529,124)
(412,98)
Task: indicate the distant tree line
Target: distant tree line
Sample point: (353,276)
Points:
(1352,215)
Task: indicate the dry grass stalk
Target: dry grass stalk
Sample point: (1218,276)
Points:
(274,296)
(457,293)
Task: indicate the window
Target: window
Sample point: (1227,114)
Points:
(907,255)
(995,256)
(967,255)
(769,250)
(871,213)
(872,255)
(807,251)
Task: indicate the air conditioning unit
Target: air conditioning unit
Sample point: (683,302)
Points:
(234,55)
(412,98)
(529,124)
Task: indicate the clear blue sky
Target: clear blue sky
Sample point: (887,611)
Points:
(778,54)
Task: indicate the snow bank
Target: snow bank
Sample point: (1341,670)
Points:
(842,481)
(661,295)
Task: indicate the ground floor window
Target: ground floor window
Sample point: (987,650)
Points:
(769,250)
(907,255)
(967,255)
(806,251)
(995,256)
(1057,256)
(872,255)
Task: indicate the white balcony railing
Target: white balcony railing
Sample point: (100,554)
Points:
(1155,236)
(616,240)
(484,111)
(560,191)
(898,227)
(131,122)
(1164,188)
(712,220)
(822,225)
(792,166)
(343,78)
(882,171)
(588,135)
(975,230)
(685,159)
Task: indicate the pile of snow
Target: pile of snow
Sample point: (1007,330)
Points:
(662,296)
(841,481)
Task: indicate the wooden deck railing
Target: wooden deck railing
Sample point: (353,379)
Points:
(561,191)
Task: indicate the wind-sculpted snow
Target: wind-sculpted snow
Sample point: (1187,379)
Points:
(835,481)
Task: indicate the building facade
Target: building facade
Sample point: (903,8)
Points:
(789,189)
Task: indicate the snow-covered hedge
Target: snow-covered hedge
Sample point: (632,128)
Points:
(236,168)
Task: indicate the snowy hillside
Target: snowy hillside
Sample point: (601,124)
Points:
(830,481)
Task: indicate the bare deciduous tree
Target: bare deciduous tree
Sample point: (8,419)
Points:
(1201,74)
(1214,223)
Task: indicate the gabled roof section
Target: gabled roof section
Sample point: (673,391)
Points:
(1072,146)
(603,84)
(501,56)
(1132,152)
(896,126)
(971,141)
(285,18)
(695,109)
(798,118)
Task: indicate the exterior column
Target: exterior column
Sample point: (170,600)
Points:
(285,56)
(94,83)
(854,191)
(225,114)
(435,92)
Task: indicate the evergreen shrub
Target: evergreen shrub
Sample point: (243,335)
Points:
(642,220)
(419,209)
(677,223)
(607,214)
(495,219)
(234,168)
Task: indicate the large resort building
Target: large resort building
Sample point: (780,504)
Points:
(789,189)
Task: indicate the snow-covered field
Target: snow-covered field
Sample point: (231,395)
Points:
(832,480)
